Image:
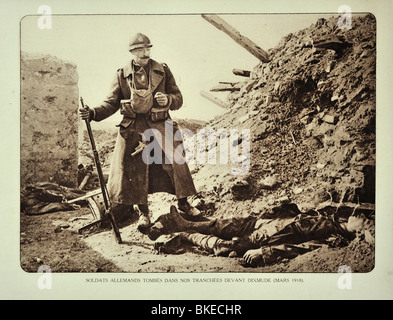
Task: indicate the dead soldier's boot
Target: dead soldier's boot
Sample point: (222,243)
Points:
(144,218)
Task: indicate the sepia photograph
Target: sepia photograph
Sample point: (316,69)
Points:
(198,143)
(196,158)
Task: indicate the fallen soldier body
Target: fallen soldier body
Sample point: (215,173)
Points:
(48,197)
(260,240)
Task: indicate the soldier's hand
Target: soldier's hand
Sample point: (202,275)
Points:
(253,256)
(86,113)
(161,98)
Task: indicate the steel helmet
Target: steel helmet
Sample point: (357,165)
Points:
(139,40)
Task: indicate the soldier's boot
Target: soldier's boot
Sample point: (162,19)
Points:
(144,218)
(189,210)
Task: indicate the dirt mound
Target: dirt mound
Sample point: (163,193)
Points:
(311,115)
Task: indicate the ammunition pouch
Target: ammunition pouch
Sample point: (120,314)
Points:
(126,109)
(156,114)
(159,114)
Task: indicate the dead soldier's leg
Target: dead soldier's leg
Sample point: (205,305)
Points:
(209,243)
(225,229)
(222,228)
(173,222)
(186,225)
(218,236)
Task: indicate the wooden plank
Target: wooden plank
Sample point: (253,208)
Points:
(213,99)
(330,41)
(239,38)
(228,82)
(86,196)
(243,73)
(225,87)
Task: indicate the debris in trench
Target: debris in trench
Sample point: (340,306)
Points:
(269,183)
(243,73)
(246,43)
(213,99)
(85,173)
(47,197)
(330,41)
(226,87)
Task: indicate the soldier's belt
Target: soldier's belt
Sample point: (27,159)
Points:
(155,114)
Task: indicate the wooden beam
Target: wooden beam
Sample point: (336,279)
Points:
(239,38)
(243,73)
(330,41)
(228,82)
(225,87)
(213,99)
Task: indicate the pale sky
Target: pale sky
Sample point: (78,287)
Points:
(199,55)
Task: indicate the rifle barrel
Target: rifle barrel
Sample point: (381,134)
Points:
(101,179)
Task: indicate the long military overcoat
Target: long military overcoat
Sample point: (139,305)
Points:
(131,178)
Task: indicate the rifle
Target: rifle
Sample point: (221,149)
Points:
(108,211)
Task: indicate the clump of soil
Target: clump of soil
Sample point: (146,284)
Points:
(315,140)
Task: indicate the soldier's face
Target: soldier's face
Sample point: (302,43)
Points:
(141,56)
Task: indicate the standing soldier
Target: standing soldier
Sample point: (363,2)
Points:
(144,91)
